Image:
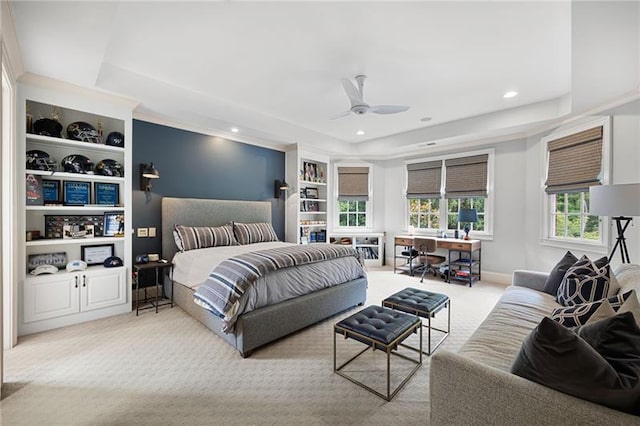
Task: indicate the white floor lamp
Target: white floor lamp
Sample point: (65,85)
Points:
(621,202)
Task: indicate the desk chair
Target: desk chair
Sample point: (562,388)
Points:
(431,261)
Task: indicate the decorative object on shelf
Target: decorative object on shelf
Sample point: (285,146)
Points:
(468,216)
(115,139)
(77,231)
(51,191)
(311,173)
(113,224)
(47,127)
(33,235)
(280,186)
(109,167)
(142,258)
(44,269)
(147,172)
(76,163)
(312,193)
(40,160)
(76,265)
(112,262)
(54,224)
(82,131)
(107,194)
(621,202)
(34,194)
(76,193)
(58,259)
(100,130)
(303,192)
(96,254)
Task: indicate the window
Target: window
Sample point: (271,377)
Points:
(354,200)
(438,190)
(574,160)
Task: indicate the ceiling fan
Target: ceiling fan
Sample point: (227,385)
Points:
(359,106)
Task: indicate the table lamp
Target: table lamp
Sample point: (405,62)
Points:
(469,216)
(620,202)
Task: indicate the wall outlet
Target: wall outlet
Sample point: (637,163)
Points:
(152,232)
(143,232)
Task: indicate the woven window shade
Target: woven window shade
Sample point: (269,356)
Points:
(574,162)
(466,176)
(353,183)
(424,179)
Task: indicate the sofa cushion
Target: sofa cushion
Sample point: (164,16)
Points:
(557,273)
(574,316)
(584,282)
(556,357)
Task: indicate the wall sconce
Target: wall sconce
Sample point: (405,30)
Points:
(147,172)
(278,187)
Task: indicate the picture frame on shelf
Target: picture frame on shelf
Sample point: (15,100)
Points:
(57,259)
(77,231)
(113,224)
(54,224)
(96,254)
(76,193)
(107,194)
(312,193)
(34,195)
(51,191)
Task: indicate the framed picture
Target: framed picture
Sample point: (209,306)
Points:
(113,224)
(96,255)
(34,190)
(106,193)
(58,260)
(312,193)
(76,193)
(51,191)
(54,224)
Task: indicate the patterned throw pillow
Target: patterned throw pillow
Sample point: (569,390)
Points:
(574,316)
(249,233)
(584,282)
(197,237)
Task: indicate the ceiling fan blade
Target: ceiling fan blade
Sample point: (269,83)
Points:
(342,114)
(387,109)
(355,97)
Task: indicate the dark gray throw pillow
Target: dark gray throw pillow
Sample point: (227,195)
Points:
(557,273)
(556,357)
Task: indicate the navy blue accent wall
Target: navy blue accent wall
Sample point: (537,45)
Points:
(193,165)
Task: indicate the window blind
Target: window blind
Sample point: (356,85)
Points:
(424,179)
(466,176)
(574,162)
(353,183)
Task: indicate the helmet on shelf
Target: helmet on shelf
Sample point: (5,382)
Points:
(85,132)
(40,160)
(48,127)
(109,167)
(77,164)
(115,139)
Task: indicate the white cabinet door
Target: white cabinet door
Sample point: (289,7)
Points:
(102,288)
(51,296)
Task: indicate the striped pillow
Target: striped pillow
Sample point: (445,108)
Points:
(249,233)
(197,237)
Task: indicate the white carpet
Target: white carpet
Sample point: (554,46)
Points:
(167,368)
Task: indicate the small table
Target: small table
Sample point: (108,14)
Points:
(378,328)
(424,304)
(157,267)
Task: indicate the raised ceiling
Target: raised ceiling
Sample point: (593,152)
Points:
(273,69)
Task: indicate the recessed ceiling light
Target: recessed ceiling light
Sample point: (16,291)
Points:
(360,132)
(235,130)
(425,119)
(510,94)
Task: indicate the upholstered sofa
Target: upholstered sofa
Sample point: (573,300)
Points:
(475,387)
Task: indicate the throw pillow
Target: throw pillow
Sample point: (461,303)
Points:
(197,237)
(631,304)
(574,316)
(556,357)
(584,282)
(557,273)
(249,233)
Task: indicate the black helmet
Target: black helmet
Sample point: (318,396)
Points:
(115,139)
(85,132)
(40,160)
(77,164)
(48,127)
(109,167)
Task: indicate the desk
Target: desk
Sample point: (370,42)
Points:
(465,267)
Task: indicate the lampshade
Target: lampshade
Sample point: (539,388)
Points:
(150,172)
(279,186)
(468,215)
(615,200)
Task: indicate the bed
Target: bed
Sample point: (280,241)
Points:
(262,325)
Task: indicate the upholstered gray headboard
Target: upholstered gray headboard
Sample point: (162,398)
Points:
(206,212)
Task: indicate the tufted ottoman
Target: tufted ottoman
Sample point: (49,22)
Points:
(425,304)
(379,328)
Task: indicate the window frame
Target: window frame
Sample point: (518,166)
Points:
(336,202)
(487,234)
(546,215)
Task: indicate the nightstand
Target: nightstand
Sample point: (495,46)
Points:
(159,268)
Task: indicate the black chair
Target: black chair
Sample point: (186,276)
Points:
(431,262)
